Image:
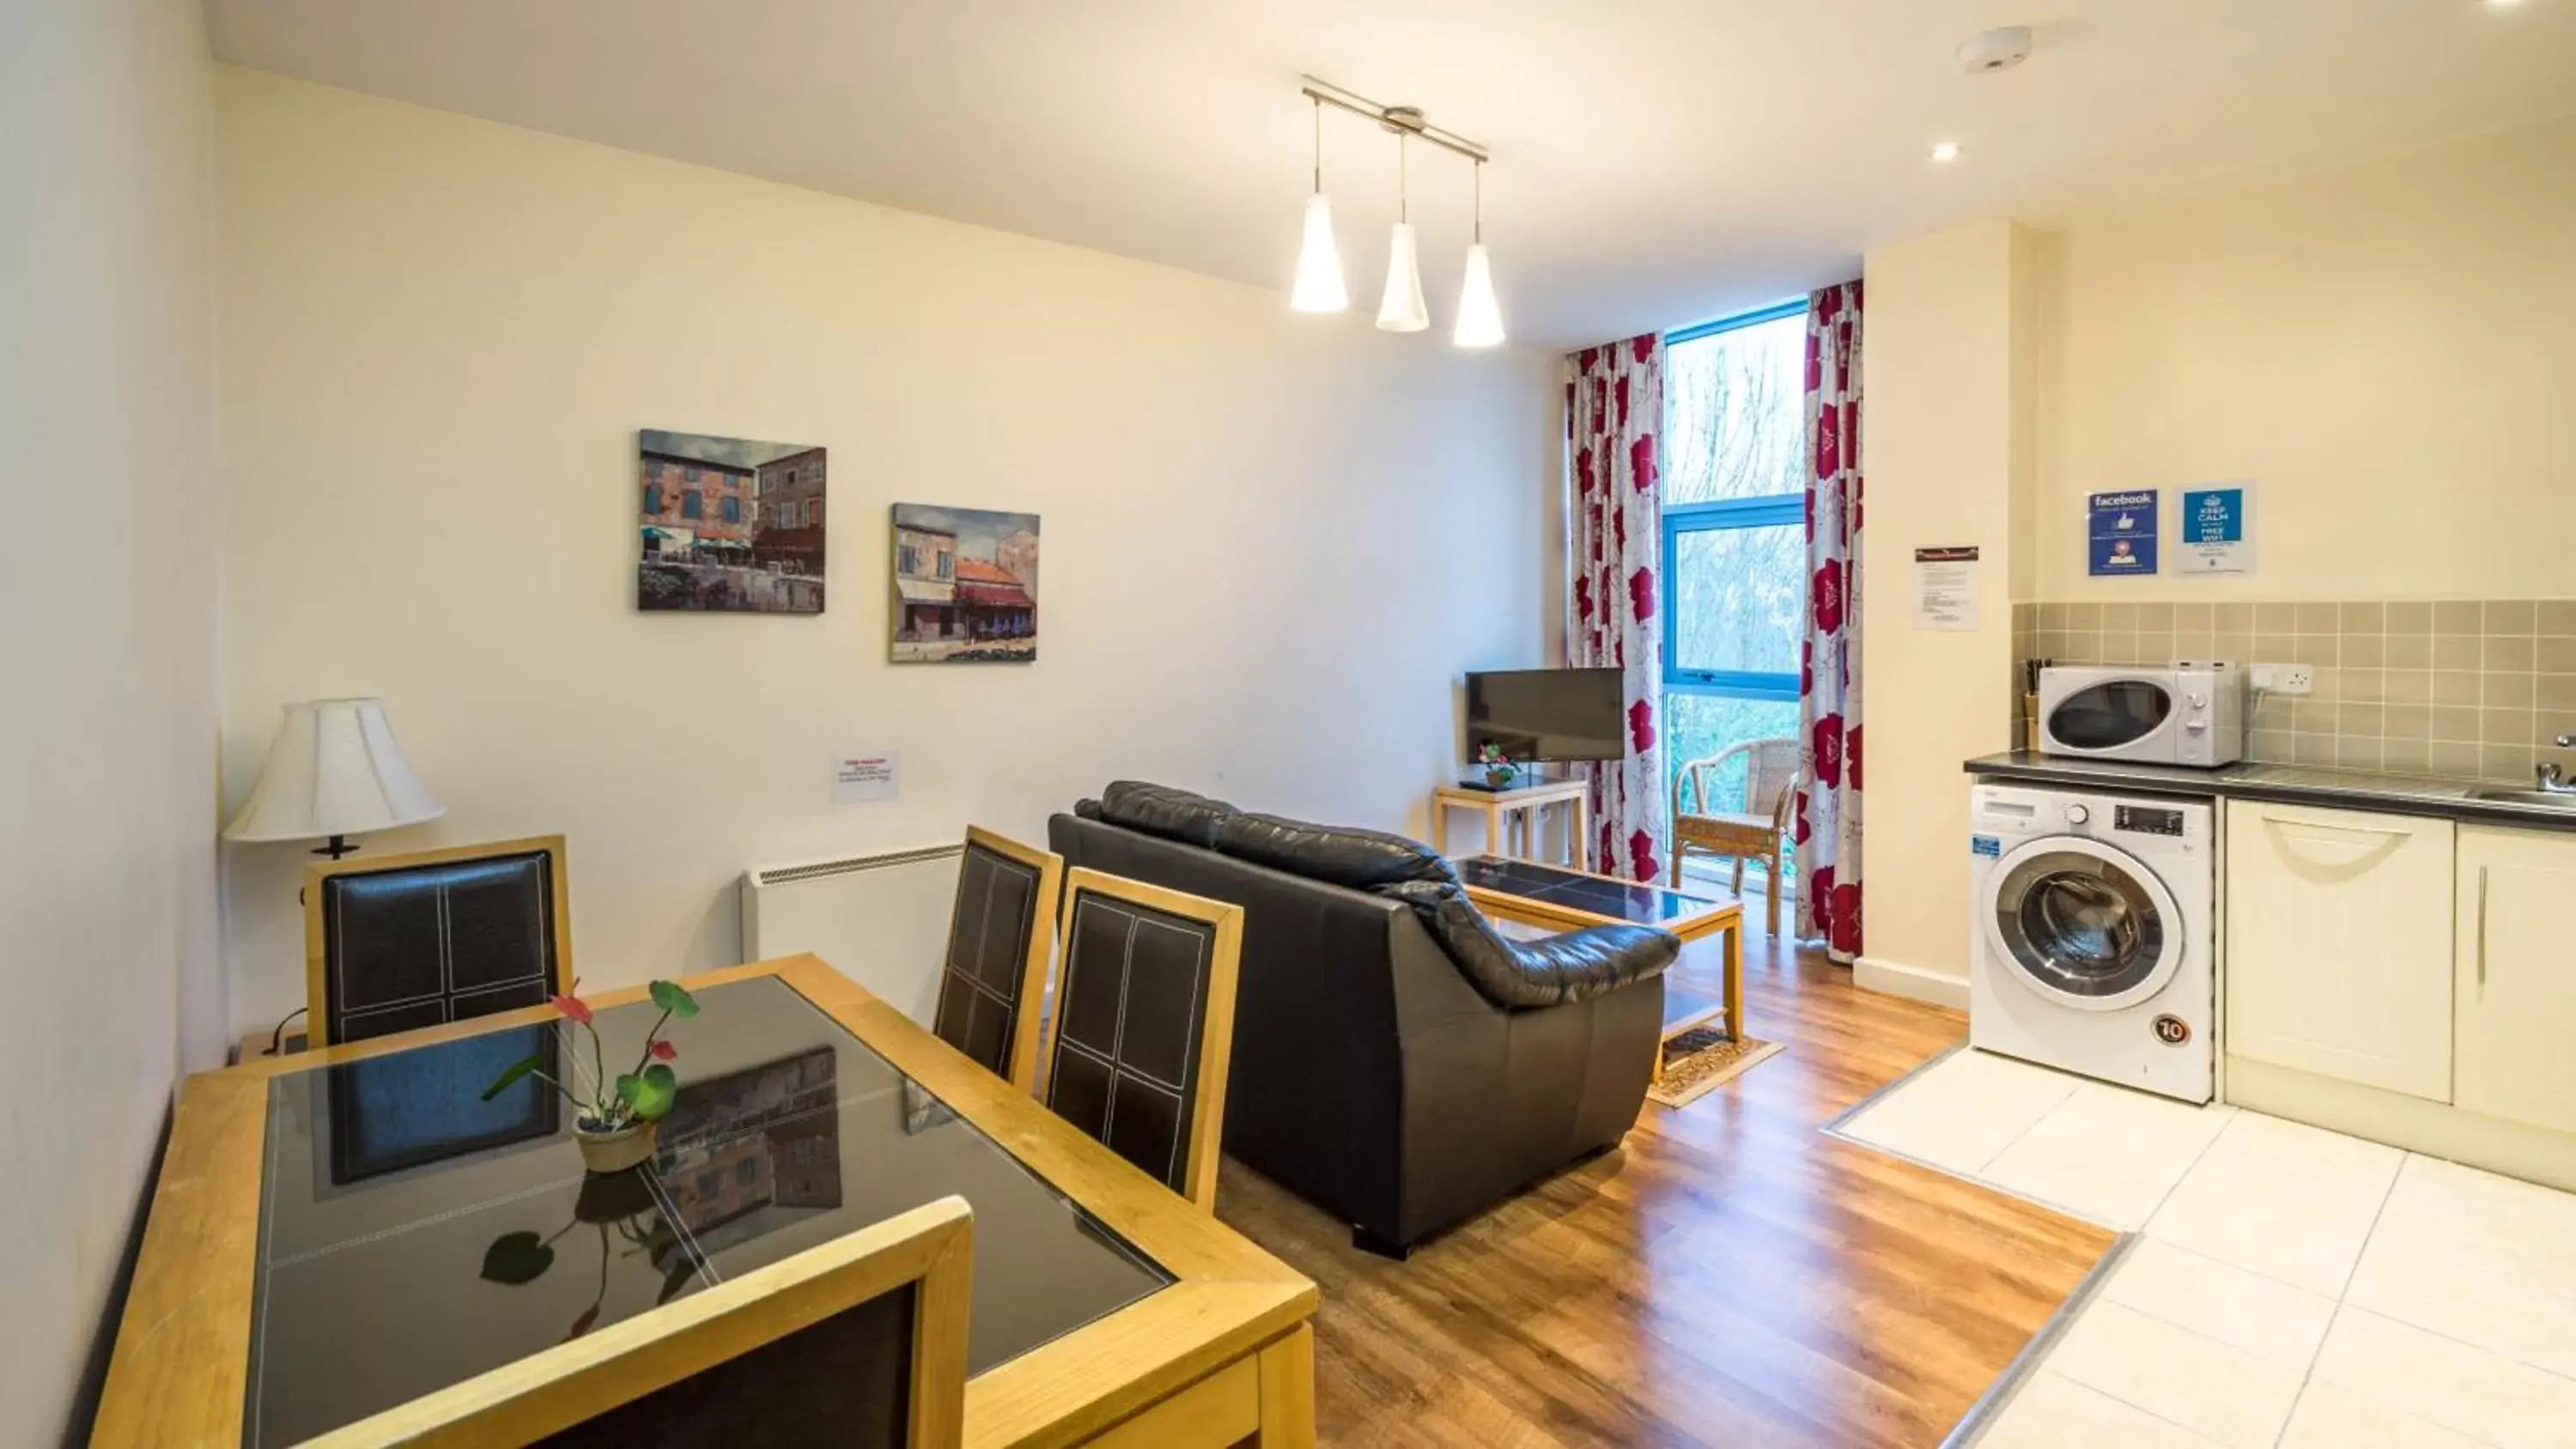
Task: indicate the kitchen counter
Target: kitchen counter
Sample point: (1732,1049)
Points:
(2279,784)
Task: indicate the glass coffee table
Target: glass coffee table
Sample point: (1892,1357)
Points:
(1532,894)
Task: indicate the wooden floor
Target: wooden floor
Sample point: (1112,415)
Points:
(1729,1276)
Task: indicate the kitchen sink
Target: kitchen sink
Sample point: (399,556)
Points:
(2552,799)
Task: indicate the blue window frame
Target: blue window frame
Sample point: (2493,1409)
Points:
(732,509)
(1683,520)
(693,504)
(653,499)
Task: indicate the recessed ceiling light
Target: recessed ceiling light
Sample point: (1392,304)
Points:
(2503,4)
(1945,151)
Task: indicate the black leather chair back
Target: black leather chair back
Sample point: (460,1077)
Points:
(1144,1025)
(405,943)
(1000,934)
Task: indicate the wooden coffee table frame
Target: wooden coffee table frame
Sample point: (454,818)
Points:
(1723,914)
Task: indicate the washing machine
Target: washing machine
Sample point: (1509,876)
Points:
(2094,943)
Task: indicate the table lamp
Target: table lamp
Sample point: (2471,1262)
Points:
(334,770)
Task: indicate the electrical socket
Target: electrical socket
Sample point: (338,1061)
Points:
(2291,679)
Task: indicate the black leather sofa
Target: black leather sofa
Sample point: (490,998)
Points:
(1396,1061)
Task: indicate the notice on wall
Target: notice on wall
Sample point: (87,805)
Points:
(2215,534)
(1945,588)
(864,779)
(2120,533)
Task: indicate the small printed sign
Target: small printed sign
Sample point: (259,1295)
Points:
(865,779)
(2120,533)
(2216,534)
(1945,588)
(1989,846)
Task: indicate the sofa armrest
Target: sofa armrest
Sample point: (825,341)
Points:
(1518,975)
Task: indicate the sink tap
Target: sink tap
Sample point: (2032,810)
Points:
(2551,777)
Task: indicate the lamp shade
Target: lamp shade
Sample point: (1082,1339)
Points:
(1480,319)
(1401,309)
(334,769)
(1319,263)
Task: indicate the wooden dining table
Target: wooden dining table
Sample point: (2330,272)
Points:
(338,1233)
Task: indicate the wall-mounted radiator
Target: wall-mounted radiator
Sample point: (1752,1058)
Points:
(879,919)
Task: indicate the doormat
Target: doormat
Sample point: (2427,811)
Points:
(1701,1060)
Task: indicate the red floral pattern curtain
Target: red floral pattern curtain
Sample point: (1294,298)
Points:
(1829,793)
(1614,416)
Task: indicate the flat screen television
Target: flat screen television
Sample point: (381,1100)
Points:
(1548,714)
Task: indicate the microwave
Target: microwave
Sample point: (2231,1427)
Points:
(2182,714)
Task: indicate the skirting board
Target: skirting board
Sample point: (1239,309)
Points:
(2533,1154)
(1895,978)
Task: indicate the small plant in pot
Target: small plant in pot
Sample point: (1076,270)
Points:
(615,1124)
(1499,769)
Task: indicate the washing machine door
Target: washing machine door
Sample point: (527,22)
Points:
(2081,922)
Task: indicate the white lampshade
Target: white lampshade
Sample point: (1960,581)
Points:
(1401,310)
(1480,318)
(334,769)
(1319,263)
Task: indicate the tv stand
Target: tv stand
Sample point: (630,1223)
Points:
(1515,816)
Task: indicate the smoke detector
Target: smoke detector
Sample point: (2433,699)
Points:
(1991,50)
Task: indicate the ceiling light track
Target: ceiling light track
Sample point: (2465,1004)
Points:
(1319,266)
(1403,120)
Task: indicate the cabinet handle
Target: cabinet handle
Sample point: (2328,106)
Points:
(2482,931)
(2270,819)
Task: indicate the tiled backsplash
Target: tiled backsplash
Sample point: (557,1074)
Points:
(2403,687)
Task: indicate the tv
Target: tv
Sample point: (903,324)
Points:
(1548,714)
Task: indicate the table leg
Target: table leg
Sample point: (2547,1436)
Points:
(1583,832)
(1494,841)
(1733,986)
(1288,1392)
(1439,826)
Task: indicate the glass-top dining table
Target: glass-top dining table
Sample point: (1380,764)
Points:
(338,1234)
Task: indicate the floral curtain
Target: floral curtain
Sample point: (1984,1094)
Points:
(1829,814)
(1614,415)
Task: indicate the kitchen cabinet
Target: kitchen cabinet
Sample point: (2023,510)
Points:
(2340,944)
(2516,976)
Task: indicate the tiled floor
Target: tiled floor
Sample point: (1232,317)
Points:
(2290,1286)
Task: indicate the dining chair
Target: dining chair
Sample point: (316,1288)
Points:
(1001,934)
(1143,1029)
(403,941)
(1757,831)
(859,1342)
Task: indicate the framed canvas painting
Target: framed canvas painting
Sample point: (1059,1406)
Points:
(729,525)
(965,585)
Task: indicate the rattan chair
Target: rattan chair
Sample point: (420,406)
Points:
(1758,831)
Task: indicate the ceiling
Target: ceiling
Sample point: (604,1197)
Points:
(1656,162)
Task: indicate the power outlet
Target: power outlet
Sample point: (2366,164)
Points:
(2290,679)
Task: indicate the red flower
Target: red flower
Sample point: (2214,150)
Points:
(1828,744)
(1828,441)
(1641,594)
(1642,864)
(1641,728)
(1800,816)
(1819,886)
(1815,362)
(1619,530)
(1642,347)
(572,1006)
(1583,597)
(663,1051)
(1619,399)
(1641,463)
(1583,472)
(1828,602)
(1806,668)
(1845,935)
(1851,756)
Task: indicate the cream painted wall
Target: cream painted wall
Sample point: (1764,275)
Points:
(2386,350)
(107,795)
(1945,436)
(1272,541)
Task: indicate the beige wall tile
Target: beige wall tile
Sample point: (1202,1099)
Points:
(2316,750)
(2410,651)
(2557,616)
(2316,649)
(2084,616)
(2512,654)
(2451,757)
(2554,691)
(2358,719)
(2196,644)
(2271,747)
(2404,756)
(2155,648)
(2155,617)
(2513,691)
(2327,686)
(2548,725)
(2453,723)
(2506,762)
(2458,686)
(2119,648)
(2407,721)
(2119,616)
(2410,618)
(2552,655)
(2358,752)
(2272,712)
(2191,617)
(2275,648)
(2234,618)
(2458,651)
(2511,616)
(2408,686)
(2319,619)
(2504,727)
(2363,619)
(2238,648)
(2367,650)
(2453,617)
(2052,616)
(2360,686)
(2276,618)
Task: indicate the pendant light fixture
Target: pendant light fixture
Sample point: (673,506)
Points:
(1401,309)
(1319,262)
(1480,318)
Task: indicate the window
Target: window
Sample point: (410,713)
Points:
(653,499)
(732,509)
(688,475)
(1735,547)
(693,504)
(907,560)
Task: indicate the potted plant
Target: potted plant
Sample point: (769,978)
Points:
(1499,769)
(615,1125)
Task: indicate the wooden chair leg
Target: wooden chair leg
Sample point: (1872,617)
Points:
(1737,890)
(1678,850)
(1773,880)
